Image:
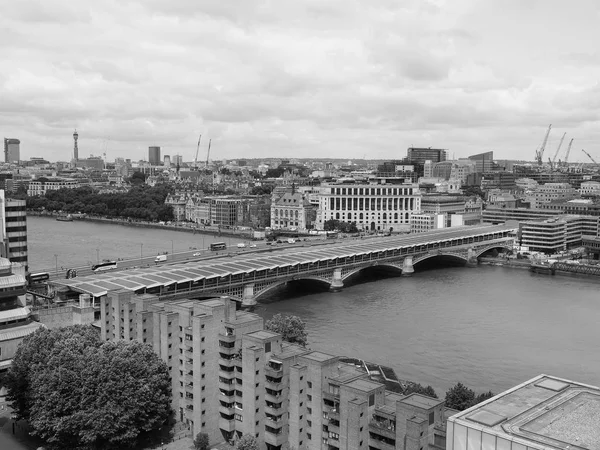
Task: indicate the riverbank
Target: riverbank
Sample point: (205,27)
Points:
(504,262)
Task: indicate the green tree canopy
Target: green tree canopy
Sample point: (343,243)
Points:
(459,397)
(419,389)
(85,393)
(292,328)
(201,441)
(246,442)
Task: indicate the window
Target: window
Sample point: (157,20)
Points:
(239,418)
(309,385)
(267,347)
(372,400)
(431,418)
(309,436)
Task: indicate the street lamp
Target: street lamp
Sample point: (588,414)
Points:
(141,250)
(56,263)
(98,256)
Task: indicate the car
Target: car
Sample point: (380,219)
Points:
(197,254)
(252,245)
(269,243)
(241,245)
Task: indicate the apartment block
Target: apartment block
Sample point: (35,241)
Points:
(231,377)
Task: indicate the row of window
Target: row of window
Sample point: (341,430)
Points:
(372,191)
(371,204)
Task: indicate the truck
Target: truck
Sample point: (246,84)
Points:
(160,258)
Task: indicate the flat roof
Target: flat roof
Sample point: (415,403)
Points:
(319,356)
(364,385)
(545,413)
(421,401)
(263,334)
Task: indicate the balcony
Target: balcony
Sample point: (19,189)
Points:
(189,351)
(189,376)
(226,410)
(273,409)
(227,394)
(274,422)
(227,351)
(227,361)
(226,386)
(226,424)
(380,442)
(274,436)
(333,398)
(274,371)
(383,427)
(226,375)
(273,385)
(226,338)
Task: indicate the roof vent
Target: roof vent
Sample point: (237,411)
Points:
(553,385)
(487,418)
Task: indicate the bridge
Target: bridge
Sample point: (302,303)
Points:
(246,277)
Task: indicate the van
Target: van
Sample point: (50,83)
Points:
(241,245)
(291,241)
(160,258)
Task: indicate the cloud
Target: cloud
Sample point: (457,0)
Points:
(341,78)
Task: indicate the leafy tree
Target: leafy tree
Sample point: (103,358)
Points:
(201,441)
(292,328)
(460,397)
(138,178)
(483,397)
(246,442)
(274,173)
(419,389)
(83,393)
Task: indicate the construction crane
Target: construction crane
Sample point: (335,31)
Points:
(197,150)
(568,151)
(208,152)
(589,156)
(558,148)
(551,164)
(540,153)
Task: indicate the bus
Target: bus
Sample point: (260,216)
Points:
(107,265)
(33,278)
(216,246)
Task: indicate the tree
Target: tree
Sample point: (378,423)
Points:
(419,389)
(460,397)
(201,441)
(85,393)
(292,328)
(483,397)
(246,442)
(138,178)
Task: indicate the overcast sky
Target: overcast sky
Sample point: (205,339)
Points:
(299,78)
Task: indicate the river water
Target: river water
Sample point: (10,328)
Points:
(488,327)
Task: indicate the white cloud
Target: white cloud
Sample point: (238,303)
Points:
(308,78)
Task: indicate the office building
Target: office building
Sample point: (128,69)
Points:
(589,189)
(453,170)
(504,181)
(13,226)
(544,413)
(12,150)
(577,206)
(292,210)
(40,187)
(230,377)
(483,161)
(420,155)
(448,205)
(550,192)
(376,206)
(497,215)
(16,321)
(420,223)
(224,211)
(154,155)
(556,234)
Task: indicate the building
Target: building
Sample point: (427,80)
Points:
(16,321)
(589,189)
(13,229)
(75,147)
(224,211)
(12,151)
(93,162)
(420,155)
(497,215)
(43,185)
(549,192)
(154,155)
(292,210)
(557,234)
(449,205)
(578,206)
(178,202)
(376,206)
(504,181)
(544,413)
(483,161)
(420,223)
(230,377)
(454,170)
(526,184)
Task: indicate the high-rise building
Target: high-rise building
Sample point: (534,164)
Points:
(13,229)
(167,161)
(230,377)
(12,151)
(420,155)
(75,147)
(483,161)
(154,155)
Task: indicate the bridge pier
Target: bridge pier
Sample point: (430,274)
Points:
(336,282)
(471,258)
(407,267)
(248,298)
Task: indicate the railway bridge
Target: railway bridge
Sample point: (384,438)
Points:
(247,277)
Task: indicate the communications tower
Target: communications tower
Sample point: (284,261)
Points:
(75,149)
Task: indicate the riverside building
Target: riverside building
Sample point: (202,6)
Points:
(230,377)
(558,233)
(13,230)
(375,206)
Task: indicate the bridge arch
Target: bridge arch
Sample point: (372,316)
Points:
(384,265)
(441,255)
(262,290)
(481,251)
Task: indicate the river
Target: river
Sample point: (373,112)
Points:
(488,327)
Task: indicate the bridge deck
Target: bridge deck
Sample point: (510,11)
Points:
(220,267)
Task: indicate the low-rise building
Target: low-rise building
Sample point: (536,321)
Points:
(544,413)
(549,192)
(42,185)
(590,189)
(497,215)
(556,234)
(421,223)
(291,210)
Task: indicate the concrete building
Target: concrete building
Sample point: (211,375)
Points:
(526,184)
(292,210)
(376,206)
(557,234)
(13,230)
(497,215)
(12,150)
(454,170)
(504,181)
(43,185)
(224,211)
(93,162)
(549,192)
(154,155)
(590,189)
(544,413)
(483,161)
(450,205)
(420,155)
(577,206)
(420,223)
(16,321)
(230,377)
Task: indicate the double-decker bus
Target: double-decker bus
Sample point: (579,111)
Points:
(107,265)
(215,246)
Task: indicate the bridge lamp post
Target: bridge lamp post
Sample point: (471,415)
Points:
(56,263)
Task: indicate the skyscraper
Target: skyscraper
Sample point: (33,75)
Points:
(483,161)
(75,148)
(12,152)
(420,155)
(154,155)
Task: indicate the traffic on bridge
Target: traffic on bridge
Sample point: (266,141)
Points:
(227,271)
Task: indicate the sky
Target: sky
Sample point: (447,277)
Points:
(348,79)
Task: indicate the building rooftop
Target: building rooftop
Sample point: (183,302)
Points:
(263,334)
(545,413)
(319,356)
(290,350)
(364,385)
(421,401)
(347,372)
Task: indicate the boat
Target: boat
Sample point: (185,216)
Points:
(67,218)
(546,269)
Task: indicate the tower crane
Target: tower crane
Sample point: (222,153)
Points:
(197,150)
(208,152)
(558,148)
(540,153)
(589,156)
(568,151)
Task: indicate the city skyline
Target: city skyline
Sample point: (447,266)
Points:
(310,79)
